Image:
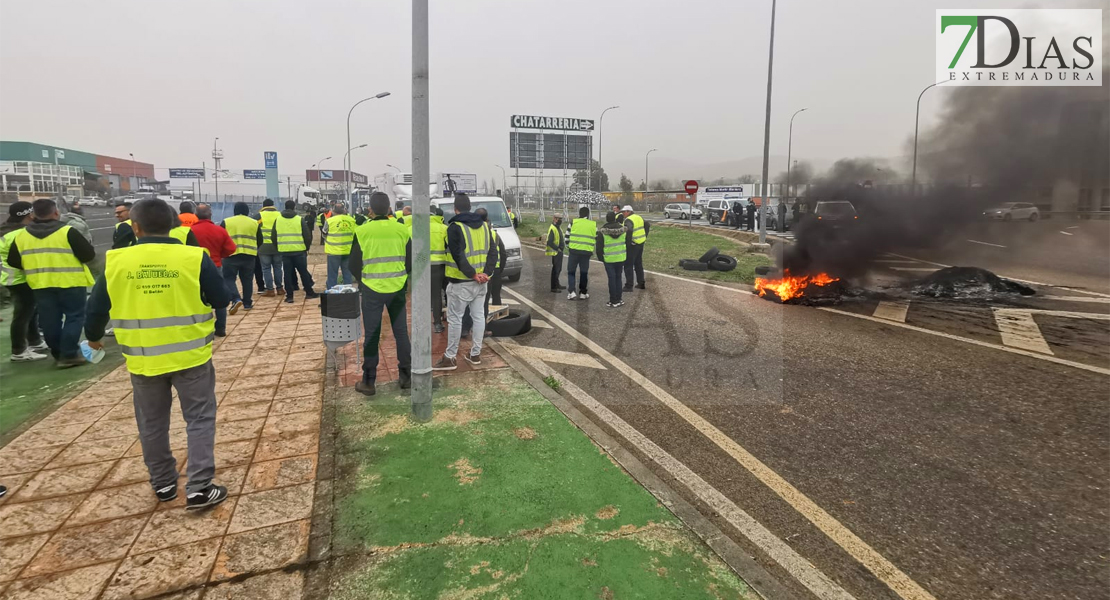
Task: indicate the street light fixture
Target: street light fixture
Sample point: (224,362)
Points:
(347,165)
(316,167)
(916,122)
(392,167)
(134,167)
(504,186)
(789,149)
(599,124)
(646,156)
(347,161)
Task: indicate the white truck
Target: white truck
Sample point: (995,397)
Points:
(499,219)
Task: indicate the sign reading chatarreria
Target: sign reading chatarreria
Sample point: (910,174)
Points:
(552,123)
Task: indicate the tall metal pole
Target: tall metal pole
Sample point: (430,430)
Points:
(504,186)
(646,156)
(789,149)
(599,123)
(216,168)
(346,163)
(421,228)
(320,182)
(767,134)
(916,122)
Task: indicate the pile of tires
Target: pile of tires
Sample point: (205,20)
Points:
(712,260)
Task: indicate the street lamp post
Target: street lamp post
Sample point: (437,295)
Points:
(504,185)
(789,149)
(216,156)
(646,157)
(916,122)
(347,162)
(599,124)
(316,167)
(134,167)
(392,167)
(767,133)
(421,406)
(347,165)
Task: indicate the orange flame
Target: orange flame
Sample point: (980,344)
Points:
(789,286)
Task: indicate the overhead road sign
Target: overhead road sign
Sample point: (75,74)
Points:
(189,173)
(550,123)
(254,173)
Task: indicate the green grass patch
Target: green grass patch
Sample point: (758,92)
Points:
(501,496)
(667,245)
(552,382)
(29,389)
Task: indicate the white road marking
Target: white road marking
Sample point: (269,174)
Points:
(1077,299)
(1071,314)
(1025,281)
(1072,227)
(879,566)
(541,324)
(101,228)
(915,269)
(896,261)
(974,342)
(892,310)
(800,568)
(507,301)
(1019,330)
(986,243)
(577,359)
(1067,233)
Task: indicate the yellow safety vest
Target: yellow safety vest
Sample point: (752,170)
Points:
(160,322)
(290,234)
(180,233)
(558,241)
(128,221)
(341,234)
(476,250)
(383,243)
(439,241)
(639,234)
(614,250)
(583,235)
(244,232)
(49,262)
(9,275)
(493,244)
(266,219)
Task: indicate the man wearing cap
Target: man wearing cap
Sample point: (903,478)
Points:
(25,319)
(638,230)
(53,257)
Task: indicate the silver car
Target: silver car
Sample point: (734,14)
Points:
(1010,211)
(681,211)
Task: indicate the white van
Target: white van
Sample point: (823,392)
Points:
(499,219)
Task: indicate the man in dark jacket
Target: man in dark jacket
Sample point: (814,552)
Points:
(554,246)
(493,289)
(612,251)
(467,234)
(58,281)
(751,215)
(737,214)
(25,336)
(295,262)
(123,236)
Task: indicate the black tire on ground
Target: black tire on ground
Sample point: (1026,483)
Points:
(693,265)
(516,323)
(722,262)
(1034,217)
(708,256)
(763,269)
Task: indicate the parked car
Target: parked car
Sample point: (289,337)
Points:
(1010,211)
(773,214)
(92,201)
(681,211)
(717,212)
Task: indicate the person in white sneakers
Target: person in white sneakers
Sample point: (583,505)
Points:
(26,338)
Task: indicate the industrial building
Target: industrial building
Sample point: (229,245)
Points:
(31,170)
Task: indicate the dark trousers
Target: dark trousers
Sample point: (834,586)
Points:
(25,318)
(634,263)
(751,221)
(258,279)
(62,315)
(581,263)
(372,305)
(240,266)
(613,271)
(437,292)
(556,270)
(298,261)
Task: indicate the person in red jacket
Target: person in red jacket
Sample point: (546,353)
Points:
(219,245)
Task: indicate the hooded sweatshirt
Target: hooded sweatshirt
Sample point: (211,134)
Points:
(306,229)
(81,247)
(456,245)
(612,230)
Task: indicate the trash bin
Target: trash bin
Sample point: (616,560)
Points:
(340,317)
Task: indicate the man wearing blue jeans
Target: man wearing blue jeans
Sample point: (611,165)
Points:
(247,235)
(268,254)
(339,231)
(54,259)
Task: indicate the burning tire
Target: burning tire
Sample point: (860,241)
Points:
(693,265)
(710,255)
(722,262)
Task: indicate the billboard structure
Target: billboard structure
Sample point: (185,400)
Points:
(539,143)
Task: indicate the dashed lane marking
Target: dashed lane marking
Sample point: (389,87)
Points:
(1067,233)
(892,310)
(986,244)
(895,261)
(799,568)
(1019,330)
(1092,300)
(1049,358)
(915,269)
(541,324)
(577,359)
(874,562)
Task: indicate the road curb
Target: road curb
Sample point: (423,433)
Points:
(741,562)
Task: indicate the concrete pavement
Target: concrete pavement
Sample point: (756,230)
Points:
(895,462)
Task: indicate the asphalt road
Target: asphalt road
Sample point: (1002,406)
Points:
(919,457)
(102,222)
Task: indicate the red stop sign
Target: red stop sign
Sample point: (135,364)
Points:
(691,187)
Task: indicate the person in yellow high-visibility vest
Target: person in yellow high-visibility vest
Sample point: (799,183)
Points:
(382,255)
(54,257)
(160,295)
(25,337)
(612,250)
(339,229)
(638,231)
(247,235)
(554,247)
(439,264)
(123,236)
(580,247)
(268,255)
(292,236)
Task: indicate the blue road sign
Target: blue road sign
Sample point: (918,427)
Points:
(186,173)
(254,173)
(271,160)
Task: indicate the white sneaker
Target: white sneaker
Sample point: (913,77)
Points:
(39,346)
(584,296)
(572,296)
(110,331)
(27,356)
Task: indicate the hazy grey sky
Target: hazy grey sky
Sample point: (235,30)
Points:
(162,79)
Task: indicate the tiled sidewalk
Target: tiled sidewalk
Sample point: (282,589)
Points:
(80,520)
